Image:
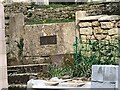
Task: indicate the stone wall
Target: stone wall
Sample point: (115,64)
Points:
(65,33)
(26,38)
(65,38)
(46,13)
(99,38)
(99,27)
(24,43)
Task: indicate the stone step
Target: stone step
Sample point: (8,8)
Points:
(20,78)
(17,87)
(31,68)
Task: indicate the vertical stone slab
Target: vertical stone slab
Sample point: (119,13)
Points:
(3,59)
(16,30)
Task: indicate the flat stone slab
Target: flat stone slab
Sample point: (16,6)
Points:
(100,18)
(111,18)
(41,84)
(91,18)
(86,31)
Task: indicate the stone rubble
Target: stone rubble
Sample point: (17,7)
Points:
(57,83)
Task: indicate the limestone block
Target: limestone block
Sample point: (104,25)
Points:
(113,31)
(92,37)
(107,25)
(104,73)
(99,33)
(83,37)
(108,37)
(118,24)
(115,37)
(85,24)
(91,18)
(103,85)
(86,31)
(89,37)
(100,36)
(95,23)
(80,14)
(109,18)
(97,30)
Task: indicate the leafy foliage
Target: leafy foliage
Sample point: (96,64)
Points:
(93,52)
(90,53)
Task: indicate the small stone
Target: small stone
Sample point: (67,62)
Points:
(107,25)
(113,31)
(95,23)
(85,24)
(86,31)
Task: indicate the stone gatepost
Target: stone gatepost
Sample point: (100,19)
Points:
(3,59)
(80,14)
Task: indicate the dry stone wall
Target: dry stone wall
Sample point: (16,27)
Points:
(99,38)
(45,13)
(99,27)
